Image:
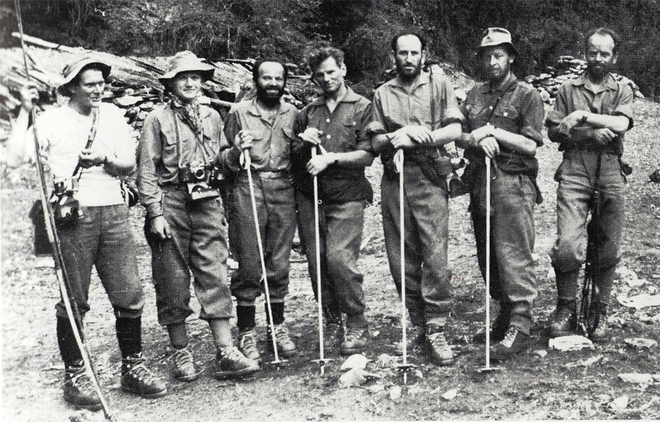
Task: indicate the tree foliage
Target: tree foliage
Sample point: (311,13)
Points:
(542,29)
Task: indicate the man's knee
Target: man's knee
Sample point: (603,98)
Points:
(567,258)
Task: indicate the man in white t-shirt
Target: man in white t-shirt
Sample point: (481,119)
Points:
(101,236)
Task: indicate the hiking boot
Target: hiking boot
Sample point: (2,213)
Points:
(437,346)
(136,378)
(415,339)
(497,330)
(514,342)
(247,344)
(184,365)
(230,363)
(78,388)
(355,341)
(285,346)
(601,333)
(564,322)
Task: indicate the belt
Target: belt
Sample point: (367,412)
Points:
(174,187)
(266,174)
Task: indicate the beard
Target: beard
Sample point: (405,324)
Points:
(597,71)
(406,74)
(268,98)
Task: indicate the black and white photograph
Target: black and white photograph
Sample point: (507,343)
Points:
(329,210)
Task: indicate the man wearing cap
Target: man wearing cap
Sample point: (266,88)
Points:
(417,112)
(101,236)
(335,122)
(504,118)
(185,224)
(264,127)
(591,115)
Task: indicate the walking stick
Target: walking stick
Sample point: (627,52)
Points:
(317,237)
(248,164)
(405,367)
(63,282)
(487,368)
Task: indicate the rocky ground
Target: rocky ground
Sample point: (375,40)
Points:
(541,384)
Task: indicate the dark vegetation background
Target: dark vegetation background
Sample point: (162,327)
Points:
(543,29)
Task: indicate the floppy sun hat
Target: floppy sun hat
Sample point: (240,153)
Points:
(186,61)
(74,68)
(497,36)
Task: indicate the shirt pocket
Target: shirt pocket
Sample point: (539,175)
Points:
(260,145)
(505,116)
(349,136)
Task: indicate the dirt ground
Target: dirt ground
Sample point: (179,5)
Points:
(540,384)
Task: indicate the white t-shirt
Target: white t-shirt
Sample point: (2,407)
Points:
(63,133)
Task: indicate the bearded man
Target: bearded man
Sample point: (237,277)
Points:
(263,127)
(591,115)
(417,112)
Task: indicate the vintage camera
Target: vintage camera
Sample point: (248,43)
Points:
(199,180)
(194,172)
(66,208)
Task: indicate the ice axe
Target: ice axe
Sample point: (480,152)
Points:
(247,162)
(317,236)
(487,368)
(404,367)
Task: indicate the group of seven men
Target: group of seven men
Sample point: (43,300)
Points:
(187,154)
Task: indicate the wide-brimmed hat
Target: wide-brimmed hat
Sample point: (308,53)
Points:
(497,36)
(74,68)
(186,61)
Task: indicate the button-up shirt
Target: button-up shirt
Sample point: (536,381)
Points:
(342,130)
(431,102)
(271,148)
(610,98)
(167,144)
(515,107)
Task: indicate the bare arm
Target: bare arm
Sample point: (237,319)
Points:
(17,142)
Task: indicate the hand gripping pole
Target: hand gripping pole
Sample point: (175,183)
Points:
(248,165)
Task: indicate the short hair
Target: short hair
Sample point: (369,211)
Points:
(66,89)
(258,63)
(319,55)
(414,33)
(603,30)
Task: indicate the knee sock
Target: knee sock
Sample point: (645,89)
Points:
(605,283)
(278,312)
(129,335)
(67,342)
(245,317)
(178,335)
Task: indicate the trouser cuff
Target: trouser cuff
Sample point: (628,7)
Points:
(356,321)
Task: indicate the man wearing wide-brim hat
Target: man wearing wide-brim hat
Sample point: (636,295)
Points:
(101,236)
(186,226)
(504,118)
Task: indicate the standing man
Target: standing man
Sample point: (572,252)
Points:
(264,127)
(591,115)
(101,237)
(504,118)
(335,124)
(418,112)
(185,226)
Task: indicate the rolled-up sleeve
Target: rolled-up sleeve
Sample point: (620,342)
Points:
(364,117)
(624,105)
(149,158)
(450,113)
(531,124)
(228,158)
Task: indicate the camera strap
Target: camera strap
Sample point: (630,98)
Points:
(199,140)
(77,172)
